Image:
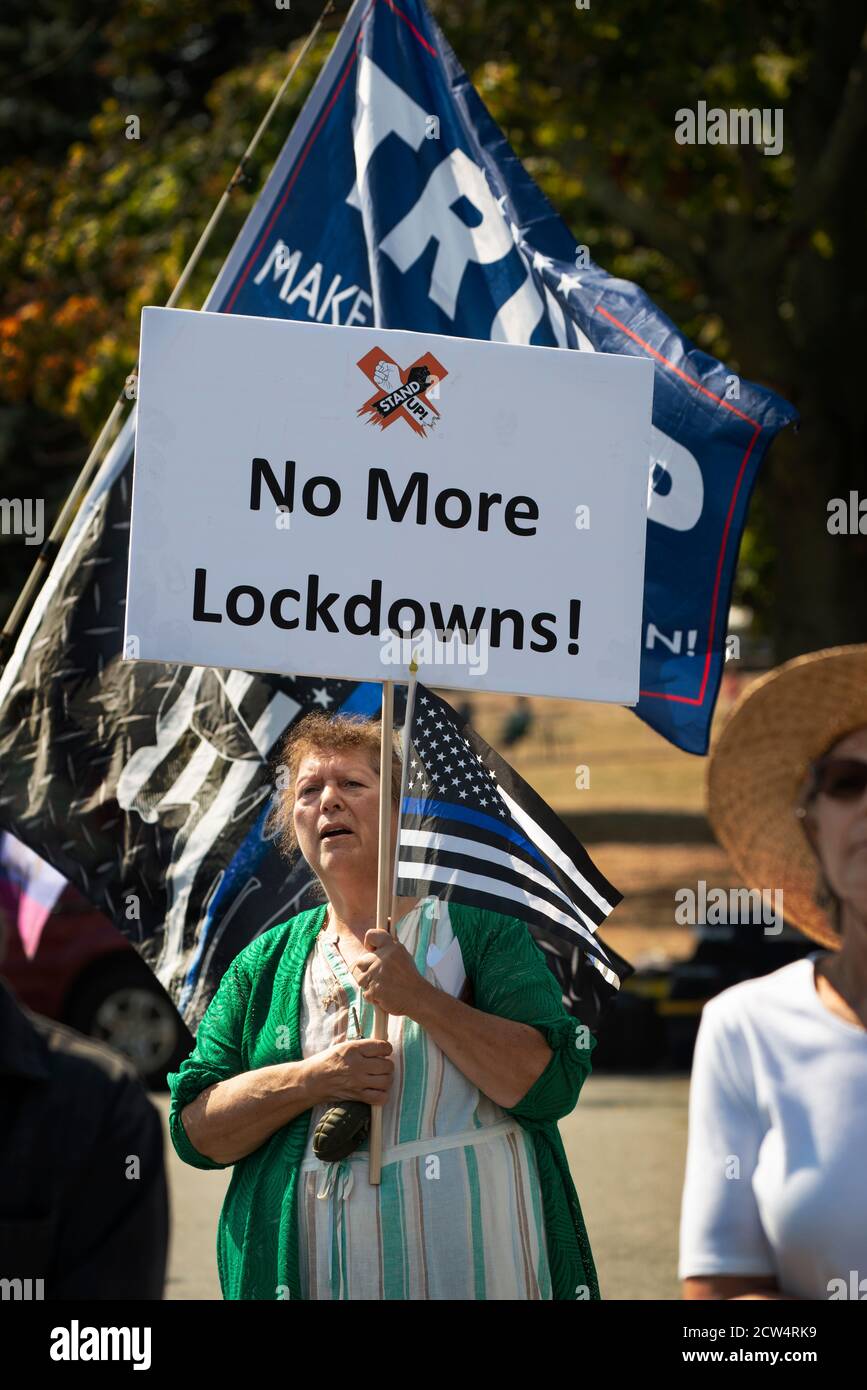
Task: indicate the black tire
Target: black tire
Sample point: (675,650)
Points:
(120,1002)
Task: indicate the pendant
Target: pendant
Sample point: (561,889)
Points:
(332,997)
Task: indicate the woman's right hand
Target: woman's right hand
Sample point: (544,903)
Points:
(359,1069)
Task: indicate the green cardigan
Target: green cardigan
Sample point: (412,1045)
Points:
(260,993)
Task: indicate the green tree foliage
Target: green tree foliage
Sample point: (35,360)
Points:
(757,258)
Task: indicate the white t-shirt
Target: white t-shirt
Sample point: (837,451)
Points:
(776,1169)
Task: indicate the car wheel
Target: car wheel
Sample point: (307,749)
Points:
(123,1005)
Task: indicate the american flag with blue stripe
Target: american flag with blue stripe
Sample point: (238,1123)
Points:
(474,832)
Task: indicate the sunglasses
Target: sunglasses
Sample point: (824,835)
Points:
(842,779)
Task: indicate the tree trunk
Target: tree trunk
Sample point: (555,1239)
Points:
(820,579)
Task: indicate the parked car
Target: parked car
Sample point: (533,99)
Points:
(653,1022)
(85,973)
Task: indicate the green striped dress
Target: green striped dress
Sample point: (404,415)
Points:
(458,1213)
(254,1020)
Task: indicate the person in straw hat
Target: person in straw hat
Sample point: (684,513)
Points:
(775,1195)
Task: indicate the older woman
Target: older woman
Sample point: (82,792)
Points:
(476,1200)
(775,1199)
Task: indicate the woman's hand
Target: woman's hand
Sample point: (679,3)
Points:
(360,1069)
(387,974)
(502,1057)
(732,1287)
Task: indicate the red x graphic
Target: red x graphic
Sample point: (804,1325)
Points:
(401,394)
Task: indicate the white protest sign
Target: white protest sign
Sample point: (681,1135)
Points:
(303,495)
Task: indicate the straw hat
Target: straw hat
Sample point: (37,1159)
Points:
(757,770)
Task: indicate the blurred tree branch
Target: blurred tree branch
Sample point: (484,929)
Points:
(845,143)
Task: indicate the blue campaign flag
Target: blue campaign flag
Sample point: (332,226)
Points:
(397,202)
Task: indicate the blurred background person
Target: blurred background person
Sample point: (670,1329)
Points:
(83,1198)
(517,724)
(775,1197)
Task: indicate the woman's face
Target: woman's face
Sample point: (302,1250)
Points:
(840,832)
(336,814)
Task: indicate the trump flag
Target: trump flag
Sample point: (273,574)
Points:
(397,202)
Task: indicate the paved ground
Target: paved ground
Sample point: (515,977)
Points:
(626,1143)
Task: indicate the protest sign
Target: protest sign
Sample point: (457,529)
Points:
(305,496)
(397,200)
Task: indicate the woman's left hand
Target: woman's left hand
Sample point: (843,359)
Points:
(387,974)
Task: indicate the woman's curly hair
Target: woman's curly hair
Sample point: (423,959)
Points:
(321,733)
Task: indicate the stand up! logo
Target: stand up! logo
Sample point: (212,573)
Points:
(401,394)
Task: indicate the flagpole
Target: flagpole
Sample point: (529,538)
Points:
(51,546)
(383,886)
(404,773)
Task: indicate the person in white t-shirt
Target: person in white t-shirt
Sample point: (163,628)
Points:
(775,1194)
